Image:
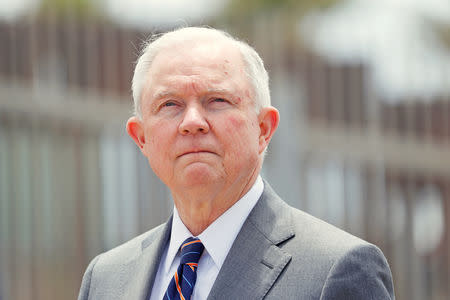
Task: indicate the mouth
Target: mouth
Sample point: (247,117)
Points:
(196,152)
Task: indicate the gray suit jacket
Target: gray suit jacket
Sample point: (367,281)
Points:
(280,253)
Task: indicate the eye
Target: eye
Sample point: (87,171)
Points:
(168,103)
(167,106)
(219,103)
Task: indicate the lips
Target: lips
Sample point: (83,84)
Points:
(196,151)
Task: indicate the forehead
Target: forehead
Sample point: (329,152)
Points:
(204,58)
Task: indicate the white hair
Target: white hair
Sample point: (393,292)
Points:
(255,70)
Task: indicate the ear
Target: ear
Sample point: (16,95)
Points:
(269,118)
(135,130)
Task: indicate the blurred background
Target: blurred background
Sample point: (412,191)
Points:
(363,88)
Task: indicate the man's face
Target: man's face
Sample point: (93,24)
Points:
(199,122)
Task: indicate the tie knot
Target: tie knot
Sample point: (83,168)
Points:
(191,250)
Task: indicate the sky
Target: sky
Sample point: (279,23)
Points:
(146,13)
(9,10)
(137,13)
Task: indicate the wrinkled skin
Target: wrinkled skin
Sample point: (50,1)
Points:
(200,129)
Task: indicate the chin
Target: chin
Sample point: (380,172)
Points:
(199,173)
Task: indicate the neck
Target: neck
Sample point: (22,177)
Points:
(200,208)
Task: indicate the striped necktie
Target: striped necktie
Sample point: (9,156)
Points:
(182,283)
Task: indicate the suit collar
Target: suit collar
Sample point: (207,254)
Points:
(272,216)
(251,267)
(255,261)
(147,262)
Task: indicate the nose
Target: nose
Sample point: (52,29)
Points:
(193,122)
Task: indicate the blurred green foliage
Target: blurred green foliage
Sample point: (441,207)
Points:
(79,8)
(297,7)
(443,33)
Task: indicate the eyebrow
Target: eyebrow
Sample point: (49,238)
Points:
(165,94)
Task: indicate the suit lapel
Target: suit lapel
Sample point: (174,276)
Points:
(255,261)
(147,263)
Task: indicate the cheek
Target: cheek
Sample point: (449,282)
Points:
(235,122)
(236,127)
(157,140)
(242,134)
(157,148)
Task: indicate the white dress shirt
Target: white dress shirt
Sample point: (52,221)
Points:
(217,239)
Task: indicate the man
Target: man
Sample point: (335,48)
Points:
(203,119)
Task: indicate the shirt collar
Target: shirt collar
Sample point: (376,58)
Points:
(178,235)
(220,235)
